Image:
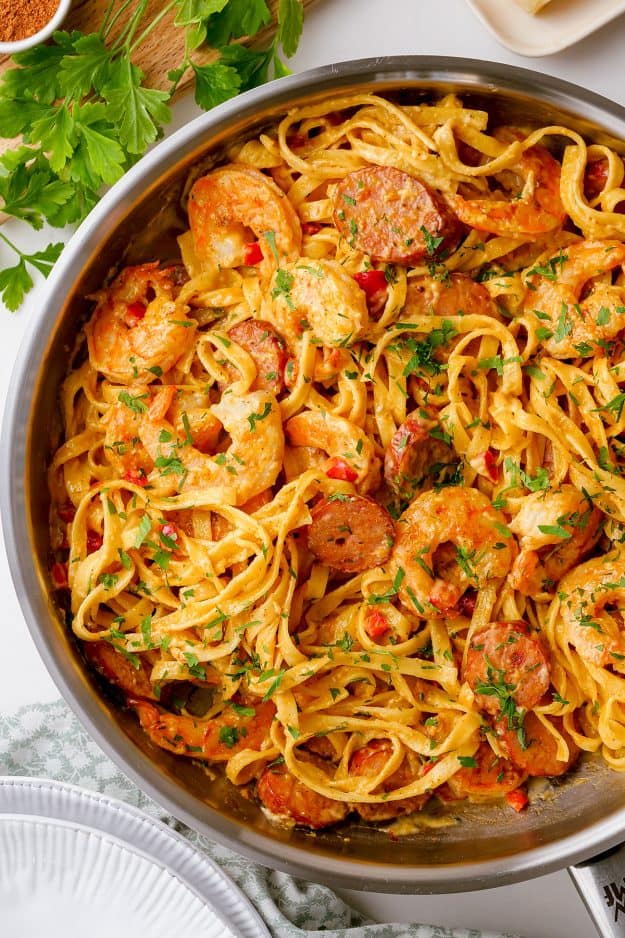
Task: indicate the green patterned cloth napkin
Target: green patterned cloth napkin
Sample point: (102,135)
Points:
(46,741)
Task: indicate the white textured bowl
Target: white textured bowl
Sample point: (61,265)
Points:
(9,48)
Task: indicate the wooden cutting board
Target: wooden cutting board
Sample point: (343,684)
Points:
(163,50)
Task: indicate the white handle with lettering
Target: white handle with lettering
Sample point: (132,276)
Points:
(601,884)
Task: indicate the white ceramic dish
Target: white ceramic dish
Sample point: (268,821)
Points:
(20,45)
(73,862)
(558,25)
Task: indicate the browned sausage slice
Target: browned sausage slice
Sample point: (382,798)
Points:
(286,797)
(392,216)
(119,669)
(415,456)
(505,663)
(370,760)
(268,350)
(350,533)
(485,776)
(532,747)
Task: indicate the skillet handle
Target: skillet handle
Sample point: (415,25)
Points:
(600,882)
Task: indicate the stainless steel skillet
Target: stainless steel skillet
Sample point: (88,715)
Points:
(139,219)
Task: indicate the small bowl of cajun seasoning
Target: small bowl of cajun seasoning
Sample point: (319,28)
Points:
(25,23)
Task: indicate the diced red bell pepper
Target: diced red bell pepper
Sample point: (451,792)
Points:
(371,281)
(134,314)
(310,228)
(339,469)
(374,286)
(296,140)
(169,530)
(517,799)
(67,512)
(595,176)
(490,463)
(253,254)
(136,476)
(466,604)
(58,572)
(377,625)
(94,541)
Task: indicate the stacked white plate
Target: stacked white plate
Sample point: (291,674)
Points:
(556,26)
(75,863)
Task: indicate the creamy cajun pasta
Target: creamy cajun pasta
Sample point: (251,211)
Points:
(339,502)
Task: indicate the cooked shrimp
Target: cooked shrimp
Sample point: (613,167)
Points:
(121,441)
(120,670)
(486,777)
(320,296)
(530,203)
(448,542)
(592,602)
(533,749)
(231,206)
(137,330)
(288,799)
(251,463)
(216,740)
(555,530)
(505,663)
(370,761)
(192,417)
(133,417)
(584,311)
(455,296)
(351,455)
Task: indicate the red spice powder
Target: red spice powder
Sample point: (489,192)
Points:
(22,18)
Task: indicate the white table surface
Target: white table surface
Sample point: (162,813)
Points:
(547,907)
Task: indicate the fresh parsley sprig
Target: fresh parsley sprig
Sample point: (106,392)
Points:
(85,114)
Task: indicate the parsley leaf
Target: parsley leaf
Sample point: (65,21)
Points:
(236,19)
(290,25)
(137,111)
(215,83)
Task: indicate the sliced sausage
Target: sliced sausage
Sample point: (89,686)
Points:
(268,350)
(533,749)
(369,761)
(120,670)
(504,662)
(350,533)
(286,797)
(392,216)
(415,457)
(490,777)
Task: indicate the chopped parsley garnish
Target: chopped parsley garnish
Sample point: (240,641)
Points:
(136,404)
(284,282)
(254,418)
(432,243)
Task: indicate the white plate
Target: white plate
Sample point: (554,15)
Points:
(558,25)
(75,863)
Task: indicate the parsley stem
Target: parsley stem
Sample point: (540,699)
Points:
(124,6)
(109,10)
(11,245)
(146,32)
(126,36)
